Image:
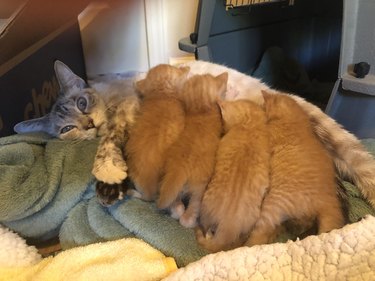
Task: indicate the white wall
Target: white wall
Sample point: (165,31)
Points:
(114,37)
(179,21)
(124,35)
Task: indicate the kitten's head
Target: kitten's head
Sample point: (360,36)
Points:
(200,92)
(162,78)
(78,112)
(279,106)
(240,112)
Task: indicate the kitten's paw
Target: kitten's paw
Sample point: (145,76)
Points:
(111,170)
(177,210)
(188,220)
(108,194)
(201,237)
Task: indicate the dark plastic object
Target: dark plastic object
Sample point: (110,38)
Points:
(361,69)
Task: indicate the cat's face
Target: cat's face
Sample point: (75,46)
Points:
(162,77)
(78,112)
(202,91)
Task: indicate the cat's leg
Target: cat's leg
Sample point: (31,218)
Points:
(351,158)
(109,163)
(272,215)
(147,185)
(171,186)
(190,216)
(330,216)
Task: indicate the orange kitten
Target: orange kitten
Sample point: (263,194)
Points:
(160,121)
(231,204)
(190,160)
(302,183)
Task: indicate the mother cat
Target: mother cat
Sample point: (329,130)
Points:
(110,110)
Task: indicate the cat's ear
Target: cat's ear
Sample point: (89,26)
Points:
(223,81)
(185,71)
(141,86)
(265,94)
(66,78)
(268,101)
(41,124)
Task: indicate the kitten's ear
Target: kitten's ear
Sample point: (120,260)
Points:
(41,124)
(66,77)
(223,81)
(185,70)
(265,94)
(141,86)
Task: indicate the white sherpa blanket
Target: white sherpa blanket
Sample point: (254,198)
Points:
(344,254)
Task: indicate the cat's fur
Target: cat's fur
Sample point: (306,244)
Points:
(231,204)
(160,122)
(302,174)
(190,160)
(352,160)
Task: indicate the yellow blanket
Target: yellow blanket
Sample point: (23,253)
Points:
(125,259)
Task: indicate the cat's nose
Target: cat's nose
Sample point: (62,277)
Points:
(90,124)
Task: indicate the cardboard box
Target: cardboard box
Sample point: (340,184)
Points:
(36,36)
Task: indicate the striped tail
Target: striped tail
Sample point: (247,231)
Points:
(352,160)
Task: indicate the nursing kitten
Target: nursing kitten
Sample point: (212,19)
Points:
(302,174)
(353,162)
(160,122)
(231,203)
(190,160)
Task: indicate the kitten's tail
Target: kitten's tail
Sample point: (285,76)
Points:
(351,158)
(171,186)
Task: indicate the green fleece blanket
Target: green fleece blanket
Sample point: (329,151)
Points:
(47,189)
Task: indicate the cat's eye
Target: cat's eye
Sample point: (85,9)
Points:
(82,104)
(67,129)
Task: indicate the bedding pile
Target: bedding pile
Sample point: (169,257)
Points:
(47,190)
(124,259)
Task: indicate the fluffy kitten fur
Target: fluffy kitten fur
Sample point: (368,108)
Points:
(353,162)
(302,175)
(231,204)
(160,122)
(190,160)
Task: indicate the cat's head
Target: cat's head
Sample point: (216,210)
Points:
(240,112)
(162,78)
(78,112)
(279,106)
(200,92)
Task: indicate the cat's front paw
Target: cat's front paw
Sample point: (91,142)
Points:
(108,194)
(110,169)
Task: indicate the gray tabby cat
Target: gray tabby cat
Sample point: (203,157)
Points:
(82,112)
(112,109)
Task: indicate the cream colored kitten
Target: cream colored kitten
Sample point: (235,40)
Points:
(160,122)
(190,160)
(231,204)
(352,160)
(302,174)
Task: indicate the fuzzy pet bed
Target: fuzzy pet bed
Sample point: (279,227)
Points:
(47,190)
(343,254)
